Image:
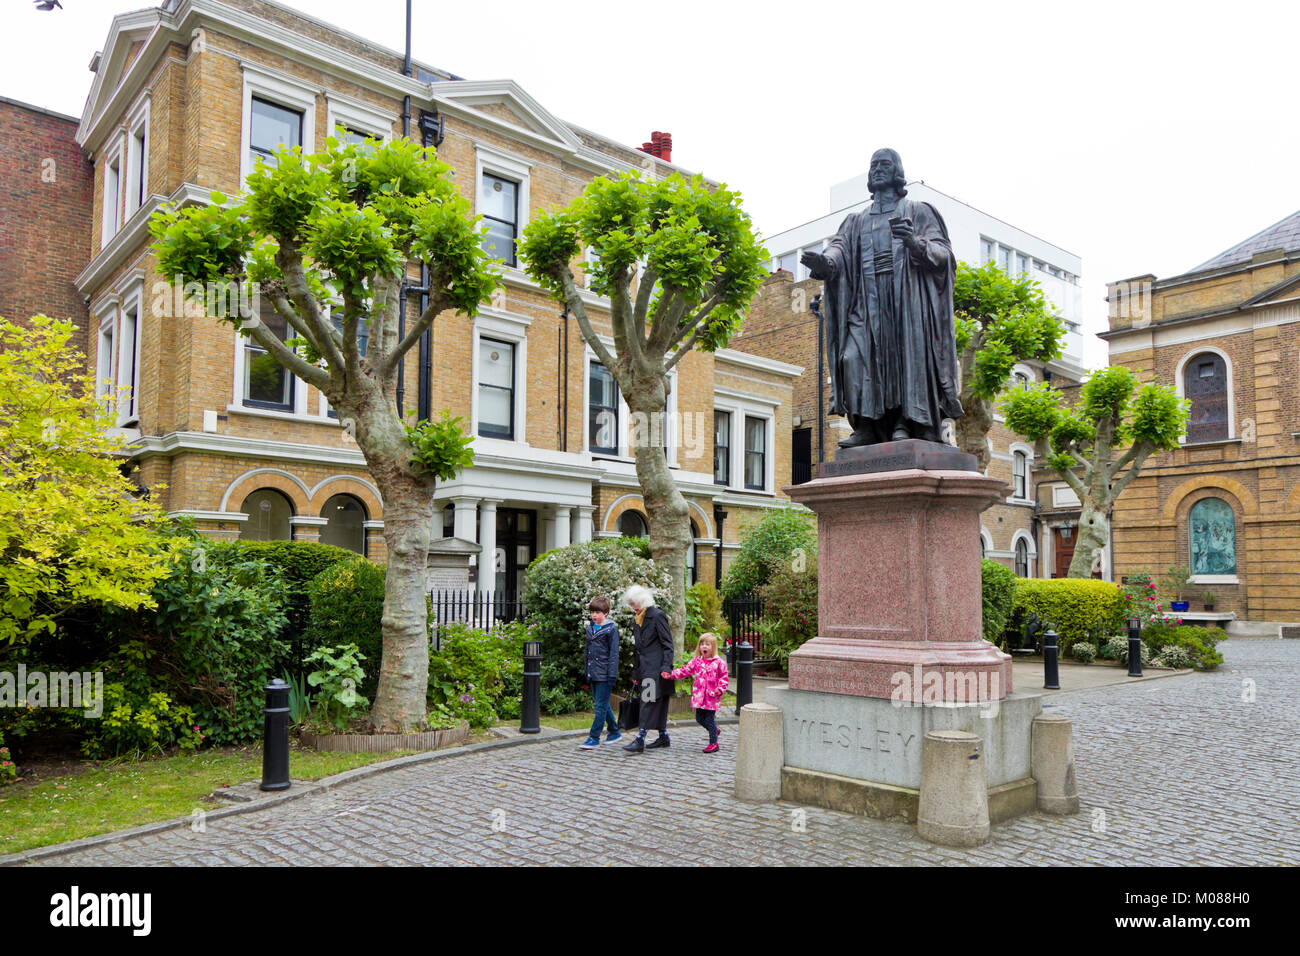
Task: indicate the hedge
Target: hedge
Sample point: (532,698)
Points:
(347,607)
(998,592)
(1076,608)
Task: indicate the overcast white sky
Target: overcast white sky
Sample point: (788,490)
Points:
(1145,137)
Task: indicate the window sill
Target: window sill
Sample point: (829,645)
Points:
(282,416)
(1214,579)
(1211,444)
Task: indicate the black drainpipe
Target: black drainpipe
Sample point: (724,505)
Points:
(564,433)
(403,290)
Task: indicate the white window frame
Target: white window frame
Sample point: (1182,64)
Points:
(282,90)
(1232,401)
(106,354)
(1028,452)
(299,412)
(494,162)
(349,113)
(111,212)
(132,303)
(740,408)
(511,328)
(624,450)
(137,165)
(1031,552)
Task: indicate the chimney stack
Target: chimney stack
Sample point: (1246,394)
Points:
(660,145)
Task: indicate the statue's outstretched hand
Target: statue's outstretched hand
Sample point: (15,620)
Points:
(819,266)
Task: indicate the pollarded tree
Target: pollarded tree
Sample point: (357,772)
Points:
(1001,320)
(702,265)
(72,531)
(1099,446)
(324,241)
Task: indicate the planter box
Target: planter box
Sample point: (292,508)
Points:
(385,743)
(1180,605)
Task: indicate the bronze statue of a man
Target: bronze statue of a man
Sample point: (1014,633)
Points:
(890,339)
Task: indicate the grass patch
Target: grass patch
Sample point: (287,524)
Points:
(103,796)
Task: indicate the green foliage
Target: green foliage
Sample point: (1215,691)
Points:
(1142,602)
(139,724)
(783,537)
(703,612)
(299,700)
(1196,644)
(1007,319)
(695,240)
(441,446)
(298,563)
(790,610)
(1116,649)
(998,592)
(347,607)
(560,585)
(337,675)
(1077,609)
(72,529)
(1085,652)
(475,675)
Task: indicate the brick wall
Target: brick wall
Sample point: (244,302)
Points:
(45,215)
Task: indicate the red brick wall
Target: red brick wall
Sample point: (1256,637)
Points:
(45,215)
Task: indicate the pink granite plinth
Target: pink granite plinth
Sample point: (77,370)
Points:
(899,601)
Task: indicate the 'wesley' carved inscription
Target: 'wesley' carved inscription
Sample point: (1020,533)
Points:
(850,737)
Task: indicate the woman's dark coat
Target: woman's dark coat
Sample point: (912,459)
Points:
(654,653)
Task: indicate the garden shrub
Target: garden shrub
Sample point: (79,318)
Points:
(1116,649)
(1197,642)
(346,605)
(298,563)
(476,675)
(8,769)
(1084,652)
(137,725)
(1174,657)
(560,585)
(703,612)
(1143,602)
(790,611)
(774,541)
(336,673)
(998,591)
(1076,608)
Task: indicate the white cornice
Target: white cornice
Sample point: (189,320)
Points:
(127,241)
(759,362)
(175,443)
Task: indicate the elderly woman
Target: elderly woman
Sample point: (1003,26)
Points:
(654,655)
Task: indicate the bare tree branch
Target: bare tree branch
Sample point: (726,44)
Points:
(295,363)
(1142,449)
(574,299)
(321,335)
(438,302)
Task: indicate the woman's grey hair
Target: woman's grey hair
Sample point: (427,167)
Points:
(639,597)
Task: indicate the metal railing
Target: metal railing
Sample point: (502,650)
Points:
(477,609)
(743,614)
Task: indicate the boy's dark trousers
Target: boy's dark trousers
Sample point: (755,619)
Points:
(707,720)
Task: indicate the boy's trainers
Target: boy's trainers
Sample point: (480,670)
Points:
(591,743)
(613,737)
(711,749)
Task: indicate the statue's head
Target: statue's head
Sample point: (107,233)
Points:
(886,170)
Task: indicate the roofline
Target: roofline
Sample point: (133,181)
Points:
(1236,245)
(40,109)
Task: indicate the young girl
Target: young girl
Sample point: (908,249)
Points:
(710,683)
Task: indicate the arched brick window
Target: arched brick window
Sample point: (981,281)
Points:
(268,513)
(1205,384)
(1212,537)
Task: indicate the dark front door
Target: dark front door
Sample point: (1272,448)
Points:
(516,548)
(801,456)
(1063,538)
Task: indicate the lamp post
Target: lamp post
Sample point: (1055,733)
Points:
(1135,647)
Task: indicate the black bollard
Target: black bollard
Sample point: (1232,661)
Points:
(1134,647)
(744,675)
(530,713)
(275,737)
(1051,672)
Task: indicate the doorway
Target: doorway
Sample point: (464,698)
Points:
(516,548)
(1063,546)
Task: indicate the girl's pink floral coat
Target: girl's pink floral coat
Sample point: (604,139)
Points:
(710,681)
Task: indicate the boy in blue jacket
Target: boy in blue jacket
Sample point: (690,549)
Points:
(602,669)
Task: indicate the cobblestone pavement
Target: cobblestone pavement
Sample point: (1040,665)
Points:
(1175,771)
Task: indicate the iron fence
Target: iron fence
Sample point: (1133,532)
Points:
(743,614)
(478,609)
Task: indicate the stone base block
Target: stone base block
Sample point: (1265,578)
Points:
(881,801)
(869,739)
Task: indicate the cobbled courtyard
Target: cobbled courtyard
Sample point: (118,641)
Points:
(1183,770)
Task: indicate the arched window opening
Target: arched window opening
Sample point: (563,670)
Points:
(268,513)
(1022,558)
(344,515)
(632,525)
(1205,385)
(1212,537)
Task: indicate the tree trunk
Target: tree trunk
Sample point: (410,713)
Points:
(665,508)
(400,704)
(1094,532)
(972,429)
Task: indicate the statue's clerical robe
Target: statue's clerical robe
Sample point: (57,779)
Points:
(889,326)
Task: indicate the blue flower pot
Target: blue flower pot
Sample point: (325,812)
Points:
(1179,605)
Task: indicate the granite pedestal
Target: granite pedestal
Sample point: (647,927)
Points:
(900,649)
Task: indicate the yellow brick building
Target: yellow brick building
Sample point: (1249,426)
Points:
(1227,503)
(187,97)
